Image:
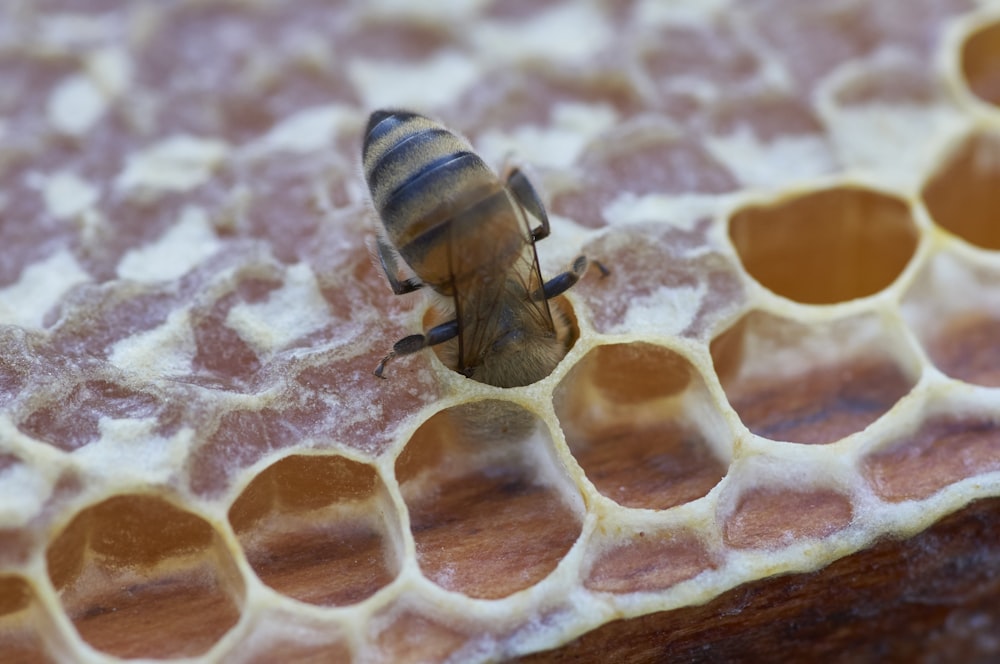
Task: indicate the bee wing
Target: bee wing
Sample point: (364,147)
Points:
(497,281)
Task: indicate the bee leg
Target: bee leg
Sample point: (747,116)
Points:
(387,258)
(417,342)
(526,195)
(561,283)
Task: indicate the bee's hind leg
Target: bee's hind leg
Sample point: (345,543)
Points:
(387,258)
(417,342)
(561,283)
(526,195)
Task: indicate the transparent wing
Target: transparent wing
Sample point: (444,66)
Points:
(496,278)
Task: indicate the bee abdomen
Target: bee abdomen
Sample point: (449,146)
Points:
(414,167)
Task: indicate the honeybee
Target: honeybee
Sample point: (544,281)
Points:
(468,235)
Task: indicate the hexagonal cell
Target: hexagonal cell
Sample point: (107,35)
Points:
(665,279)
(315,528)
(762,518)
(639,157)
(647,561)
(952,442)
(448,352)
(413,634)
(72,418)
(21,637)
(953,307)
(980,61)
(132,563)
(283,634)
(491,510)
(825,246)
(813,384)
(962,196)
(641,423)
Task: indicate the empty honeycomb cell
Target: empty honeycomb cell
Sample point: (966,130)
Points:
(826,246)
(312,528)
(966,349)
(980,58)
(20,639)
(812,384)
(281,637)
(491,510)
(649,561)
(132,563)
(773,517)
(962,196)
(948,446)
(293,650)
(407,635)
(953,307)
(642,425)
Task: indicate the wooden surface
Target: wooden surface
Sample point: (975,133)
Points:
(934,597)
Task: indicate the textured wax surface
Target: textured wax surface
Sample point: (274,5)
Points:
(792,359)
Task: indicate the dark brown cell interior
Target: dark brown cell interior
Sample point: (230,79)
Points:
(964,195)
(637,447)
(20,635)
(649,561)
(412,636)
(771,517)
(130,564)
(486,521)
(293,650)
(981,63)
(15,595)
(827,246)
(944,449)
(310,528)
(816,405)
(966,348)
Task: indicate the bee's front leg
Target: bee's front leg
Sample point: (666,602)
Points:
(561,283)
(416,342)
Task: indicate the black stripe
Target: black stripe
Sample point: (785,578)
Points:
(381,123)
(404,151)
(440,170)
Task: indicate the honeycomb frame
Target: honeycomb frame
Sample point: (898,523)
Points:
(213,318)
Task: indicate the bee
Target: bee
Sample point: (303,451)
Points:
(469,236)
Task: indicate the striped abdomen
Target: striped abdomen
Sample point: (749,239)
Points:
(421,177)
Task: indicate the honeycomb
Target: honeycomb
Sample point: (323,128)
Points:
(776,433)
